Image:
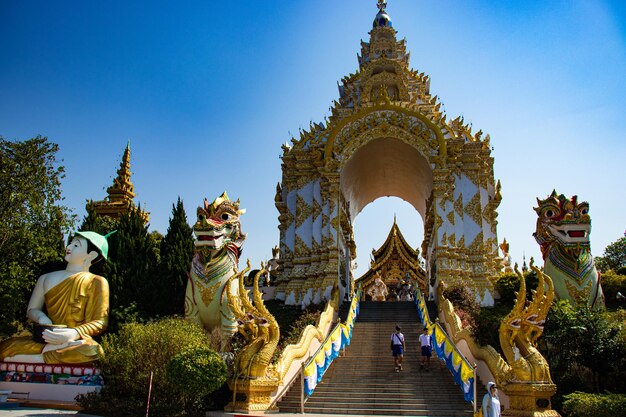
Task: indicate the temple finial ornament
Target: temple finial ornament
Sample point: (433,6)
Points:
(382,4)
(506,258)
(122,188)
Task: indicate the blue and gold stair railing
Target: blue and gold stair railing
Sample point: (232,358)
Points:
(463,372)
(337,340)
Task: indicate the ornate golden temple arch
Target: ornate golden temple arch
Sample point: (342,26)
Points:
(386,136)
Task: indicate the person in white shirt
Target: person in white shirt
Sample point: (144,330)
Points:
(398,346)
(426,342)
(491,402)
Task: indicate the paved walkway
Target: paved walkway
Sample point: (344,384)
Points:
(38,412)
(42,412)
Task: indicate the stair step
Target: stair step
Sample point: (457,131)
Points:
(363,381)
(387,411)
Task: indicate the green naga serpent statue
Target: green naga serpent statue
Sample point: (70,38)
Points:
(563,229)
(217,249)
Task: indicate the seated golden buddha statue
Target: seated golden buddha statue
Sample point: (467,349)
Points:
(72,303)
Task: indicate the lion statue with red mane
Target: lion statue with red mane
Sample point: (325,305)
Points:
(563,229)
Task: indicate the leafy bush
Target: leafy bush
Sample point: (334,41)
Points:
(196,373)
(580,404)
(292,321)
(613,283)
(464,303)
(586,344)
(308,317)
(487,329)
(507,285)
(130,356)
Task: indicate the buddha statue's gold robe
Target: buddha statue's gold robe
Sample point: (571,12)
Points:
(80,302)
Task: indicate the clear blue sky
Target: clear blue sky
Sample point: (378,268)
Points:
(208,91)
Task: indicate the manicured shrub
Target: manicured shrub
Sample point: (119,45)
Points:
(130,356)
(580,404)
(196,373)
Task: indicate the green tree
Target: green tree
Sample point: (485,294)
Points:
(584,347)
(176,254)
(507,285)
(33,221)
(131,270)
(614,256)
(99,224)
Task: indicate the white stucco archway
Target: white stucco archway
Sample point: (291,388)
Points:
(386,167)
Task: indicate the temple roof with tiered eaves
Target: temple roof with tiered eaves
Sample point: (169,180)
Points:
(393,260)
(120,194)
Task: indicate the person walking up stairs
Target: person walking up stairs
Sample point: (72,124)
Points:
(364,381)
(398,346)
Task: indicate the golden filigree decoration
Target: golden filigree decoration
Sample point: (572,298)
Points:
(450,217)
(387,80)
(474,209)
(458,206)
(438,221)
(316,209)
(303,211)
(580,295)
(300,247)
(325,221)
(477,244)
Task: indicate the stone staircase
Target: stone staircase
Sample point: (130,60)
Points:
(364,381)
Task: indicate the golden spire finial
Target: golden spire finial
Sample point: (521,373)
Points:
(122,188)
(381,5)
(120,194)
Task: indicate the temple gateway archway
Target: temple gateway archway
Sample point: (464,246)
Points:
(386,136)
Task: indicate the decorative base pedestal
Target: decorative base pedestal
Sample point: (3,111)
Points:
(45,382)
(49,392)
(252,394)
(530,400)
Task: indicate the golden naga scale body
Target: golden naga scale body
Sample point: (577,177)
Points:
(258,327)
